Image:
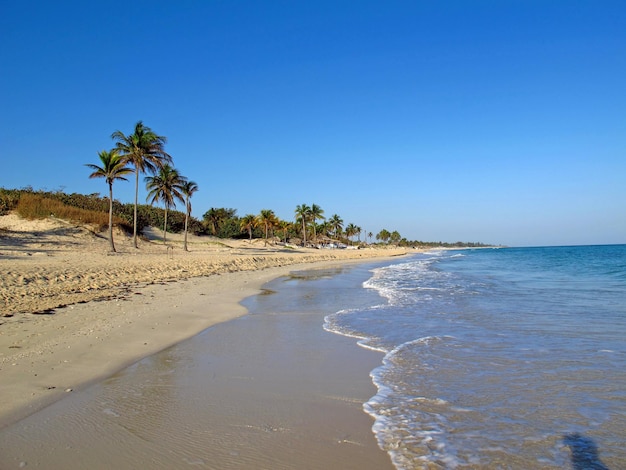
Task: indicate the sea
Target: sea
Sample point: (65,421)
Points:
(509,358)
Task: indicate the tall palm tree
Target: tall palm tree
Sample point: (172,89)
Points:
(165,186)
(248,222)
(316,213)
(145,151)
(303,212)
(113,168)
(268,219)
(188,189)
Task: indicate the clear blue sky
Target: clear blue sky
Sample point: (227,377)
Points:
(493,121)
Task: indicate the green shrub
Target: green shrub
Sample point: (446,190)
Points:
(8,200)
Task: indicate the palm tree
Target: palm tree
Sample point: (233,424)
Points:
(188,188)
(324,228)
(214,218)
(336,223)
(113,168)
(302,213)
(316,213)
(370,235)
(395,237)
(351,230)
(165,186)
(268,219)
(145,151)
(248,222)
(383,235)
(284,226)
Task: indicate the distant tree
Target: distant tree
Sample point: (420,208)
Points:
(248,222)
(113,168)
(383,235)
(283,226)
(395,237)
(351,231)
(325,228)
(268,220)
(165,186)
(188,189)
(215,218)
(145,150)
(315,213)
(370,235)
(231,228)
(303,212)
(336,224)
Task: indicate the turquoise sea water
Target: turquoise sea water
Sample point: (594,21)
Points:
(497,358)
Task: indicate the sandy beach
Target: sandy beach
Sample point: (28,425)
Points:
(73,314)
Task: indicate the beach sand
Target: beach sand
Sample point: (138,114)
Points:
(74,315)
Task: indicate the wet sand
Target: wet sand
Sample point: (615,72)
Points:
(262,391)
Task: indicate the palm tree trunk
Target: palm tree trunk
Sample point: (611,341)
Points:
(111,217)
(136,203)
(165,225)
(185,241)
(186,222)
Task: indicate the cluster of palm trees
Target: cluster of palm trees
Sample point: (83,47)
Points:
(145,152)
(267,220)
(386,236)
(306,218)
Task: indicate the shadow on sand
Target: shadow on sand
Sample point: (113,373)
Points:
(584,452)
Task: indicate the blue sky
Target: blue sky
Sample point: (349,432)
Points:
(493,121)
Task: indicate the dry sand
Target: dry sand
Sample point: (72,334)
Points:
(73,314)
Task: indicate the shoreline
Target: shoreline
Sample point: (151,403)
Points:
(46,356)
(269,389)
